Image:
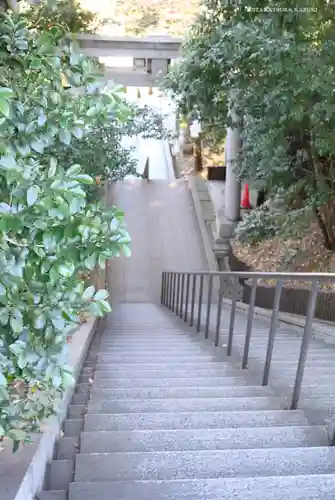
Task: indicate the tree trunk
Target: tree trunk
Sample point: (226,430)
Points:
(198,154)
(325,222)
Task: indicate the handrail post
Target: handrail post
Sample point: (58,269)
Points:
(170,291)
(209,304)
(272,333)
(249,323)
(174,292)
(201,289)
(218,317)
(162,288)
(178,293)
(194,284)
(187,296)
(182,295)
(232,317)
(307,335)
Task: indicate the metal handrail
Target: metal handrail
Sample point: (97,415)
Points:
(172,299)
(262,275)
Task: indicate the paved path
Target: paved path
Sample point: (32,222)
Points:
(160,162)
(163,227)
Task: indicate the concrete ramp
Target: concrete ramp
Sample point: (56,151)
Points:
(162,224)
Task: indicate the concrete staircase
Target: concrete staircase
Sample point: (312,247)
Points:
(159,415)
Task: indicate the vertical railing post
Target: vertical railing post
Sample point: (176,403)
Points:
(170,291)
(272,333)
(201,289)
(307,335)
(187,296)
(249,323)
(178,293)
(209,304)
(218,315)
(174,292)
(232,316)
(182,295)
(162,288)
(194,284)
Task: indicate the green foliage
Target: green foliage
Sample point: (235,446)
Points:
(99,147)
(65,15)
(281,65)
(273,218)
(49,234)
(145,17)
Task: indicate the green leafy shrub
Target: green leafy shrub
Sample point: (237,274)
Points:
(50,235)
(274,218)
(256,226)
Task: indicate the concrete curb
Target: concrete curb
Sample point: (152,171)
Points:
(210,257)
(168,160)
(22,474)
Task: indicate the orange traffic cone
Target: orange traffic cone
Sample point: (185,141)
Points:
(138,94)
(125,90)
(150,91)
(246,198)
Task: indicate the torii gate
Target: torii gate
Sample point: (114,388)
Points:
(151,56)
(151,59)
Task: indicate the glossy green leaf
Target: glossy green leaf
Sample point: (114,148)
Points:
(88,293)
(101,295)
(65,137)
(66,269)
(32,195)
(4,107)
(8,162)
(84,178)
(40,322)
(37,146)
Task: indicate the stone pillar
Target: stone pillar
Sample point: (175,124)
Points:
(159,68)
(233,185)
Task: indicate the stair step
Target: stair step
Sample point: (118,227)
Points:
(52,495)
(76,411)
(187,404)
(151,344)
(158,357)
(87,370)
(204,439)
(179,392)
(67,448)
(73,427)
(106,380)
(80,398)
(131,349)
(83,388)
(174,372)
(60,474)
(204,464)
(314,487)
(178,365)
(193,420)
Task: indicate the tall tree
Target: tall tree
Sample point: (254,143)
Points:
(281,60)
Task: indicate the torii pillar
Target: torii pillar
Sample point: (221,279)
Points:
(227,221)
(232,200)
